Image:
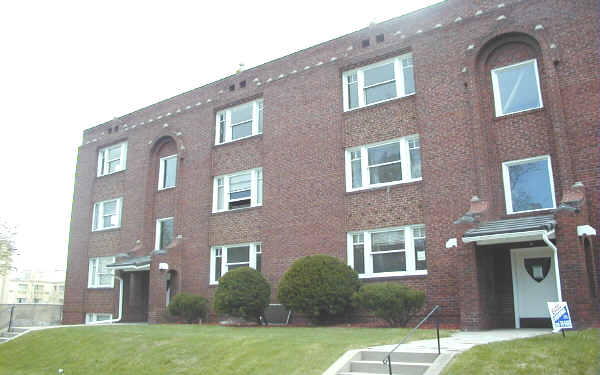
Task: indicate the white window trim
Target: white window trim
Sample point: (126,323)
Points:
(404,160)
(93,317)
(496,89)
(161,172)
(224,265)
(103,161)
(409,251)
(506,182)
(257,106)
(254,181)
(91,268)
(398,77)
(158,233)
(100,207)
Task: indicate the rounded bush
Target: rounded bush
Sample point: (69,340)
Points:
(189,306)
(319,286)
(393,302)
(243,292)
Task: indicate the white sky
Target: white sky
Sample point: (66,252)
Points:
(66,66)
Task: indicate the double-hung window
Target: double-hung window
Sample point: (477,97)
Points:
(107,214)
(164,233)
(226,258)
(388,252)
(100,276)
(167,172)
(528,184)
(384,163)
(239,122)
(238,190)
(516,88)
(375,83)
(112,159)
(97,317)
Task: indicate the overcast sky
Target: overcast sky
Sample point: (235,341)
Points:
(70,65)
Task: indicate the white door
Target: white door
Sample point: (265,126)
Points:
(534,282)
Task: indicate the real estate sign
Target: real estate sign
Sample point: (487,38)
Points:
(559,313)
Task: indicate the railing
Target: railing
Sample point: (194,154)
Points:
(388,358)
(3,323)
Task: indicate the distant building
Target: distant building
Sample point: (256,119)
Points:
(30,286)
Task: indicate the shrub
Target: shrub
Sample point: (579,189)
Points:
(244,293)
(189,306)
(319,286)
(393,302)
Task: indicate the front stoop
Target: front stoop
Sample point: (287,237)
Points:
(370,362)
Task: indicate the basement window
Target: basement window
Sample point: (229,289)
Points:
(239,122)
(516,88)
(229,257)
(97,317)
(238,190)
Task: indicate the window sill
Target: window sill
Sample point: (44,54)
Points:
(167,188)
(111,174)
(520,113)
(541,210)
(377,104)
(101,287)
(106,229)
(239,140)
(384,186)
(392,275)
(236,210)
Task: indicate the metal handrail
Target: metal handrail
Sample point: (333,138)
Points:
(388,360)
(12,310)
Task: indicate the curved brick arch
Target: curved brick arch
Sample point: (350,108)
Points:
(166,137)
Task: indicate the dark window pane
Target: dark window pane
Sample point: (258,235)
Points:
(386,173)
(390,262)
(384,153)
(356,174)
(386,241)
(415,162)
(240,194)
(409,80)
(530,186)
(258,262)
(170,172)
(232,267)
(242,130)
(239,204)
(420,254)
(380,92)
(222,128)
(359,258)
(518,88)
(379,74)
(166,235)
(238,254)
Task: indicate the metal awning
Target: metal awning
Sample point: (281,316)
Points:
(132,264)
(511,230)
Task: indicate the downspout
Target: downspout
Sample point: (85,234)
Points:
(555,250)
(120,305)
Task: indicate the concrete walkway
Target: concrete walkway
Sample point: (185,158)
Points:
(461,341)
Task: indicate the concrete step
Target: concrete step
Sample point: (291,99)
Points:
(369,355)
(377,367)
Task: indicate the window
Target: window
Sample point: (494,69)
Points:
(167,172)
(378,82)
(388,252)
(225,258)
(238,190)
(516,88)
(112,159)
(23,288)
(100,276)
(107,214)
(239,122)
(97,317)
(528,185)
(164,233)
(385,163)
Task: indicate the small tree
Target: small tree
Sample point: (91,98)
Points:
(393,302)
(243,292)
(320,286)
(189,306)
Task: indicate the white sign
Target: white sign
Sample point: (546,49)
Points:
(559,313)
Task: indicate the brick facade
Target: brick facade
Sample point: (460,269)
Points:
(306,208)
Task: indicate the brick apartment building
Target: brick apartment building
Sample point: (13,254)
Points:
(453,149)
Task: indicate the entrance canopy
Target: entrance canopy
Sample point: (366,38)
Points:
(132,264)
(512,230)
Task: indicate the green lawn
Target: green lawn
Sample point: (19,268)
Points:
(188,349)
(578,353)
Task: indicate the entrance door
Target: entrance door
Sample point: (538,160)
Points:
(534,284)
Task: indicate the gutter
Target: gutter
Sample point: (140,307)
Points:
(556,273)
(120,316)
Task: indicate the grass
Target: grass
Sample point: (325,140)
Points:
(578,353)
(189,349)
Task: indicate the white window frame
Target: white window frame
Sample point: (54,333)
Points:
(398,77)
(365,175)
(257,108)
(506,182)
(99,209)
(409,251)
(256,182)
(103,160)
(94,274)
(158,232)
(224,265)
(161,172)
(93,317)
(496,89)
